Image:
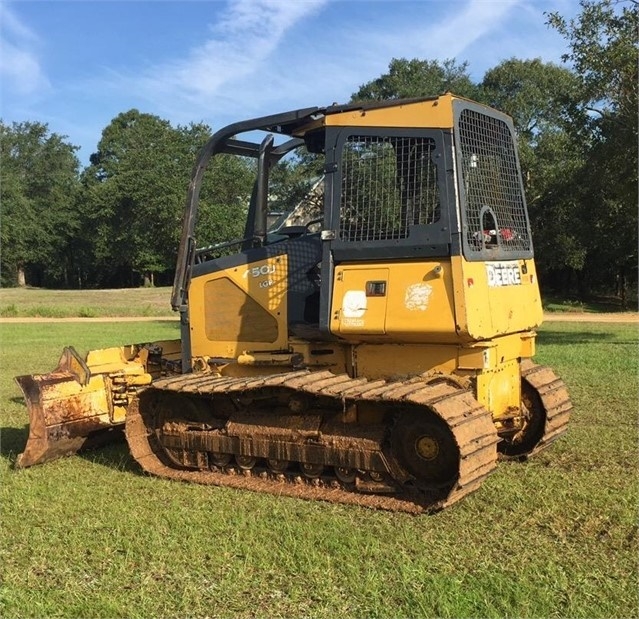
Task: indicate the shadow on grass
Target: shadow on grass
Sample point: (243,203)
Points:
(114,454)
(570,338)
(12,441)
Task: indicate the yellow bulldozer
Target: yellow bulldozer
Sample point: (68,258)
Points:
(371,346)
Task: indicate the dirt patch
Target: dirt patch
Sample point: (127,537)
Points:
(619,317)
(34,319)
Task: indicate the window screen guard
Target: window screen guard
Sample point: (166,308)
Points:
(388,184)
(494,213)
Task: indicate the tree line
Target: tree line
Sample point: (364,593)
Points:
(117,221)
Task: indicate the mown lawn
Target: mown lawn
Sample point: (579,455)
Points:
(39,302)
(89,536)
(155,302)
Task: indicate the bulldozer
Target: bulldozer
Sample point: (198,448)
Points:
(372,346)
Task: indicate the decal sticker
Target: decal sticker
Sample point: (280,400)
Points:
(417,296)
(354,303)
(503,274)
(261,271)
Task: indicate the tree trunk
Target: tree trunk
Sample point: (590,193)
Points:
(22,279)
(583,285)
(622,287)
(149,279)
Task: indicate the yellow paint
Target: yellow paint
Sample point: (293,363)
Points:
(321,355)
(418,305)
(434,114)
(499,390)
(492,354)
(120,360)
(398,361)
(353,310)
(240,309)
(485,311)
(401,361)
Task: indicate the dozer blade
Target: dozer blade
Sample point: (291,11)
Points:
(79,405)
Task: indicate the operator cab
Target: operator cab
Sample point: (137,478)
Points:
(367,192)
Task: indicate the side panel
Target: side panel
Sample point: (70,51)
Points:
(409,302)
(495,298)
(240,308)
(364,297)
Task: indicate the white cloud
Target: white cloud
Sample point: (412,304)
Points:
(245,65)
(454,30)
(20,66)
(331,67)
(261,56)
(476,19)
(243,38)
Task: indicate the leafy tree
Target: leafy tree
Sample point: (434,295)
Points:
(542,100)
(137,184)
(133,186)
(538,95)
(602,42)
(39,184)
(418,78)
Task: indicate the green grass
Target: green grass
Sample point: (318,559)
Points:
(38,302)
(88,536)
(595,305)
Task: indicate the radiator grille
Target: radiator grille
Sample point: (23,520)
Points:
(388,185)
(495,207)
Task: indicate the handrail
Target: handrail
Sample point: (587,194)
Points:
(217,144)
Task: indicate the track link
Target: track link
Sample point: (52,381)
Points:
(554,398)
(468,421)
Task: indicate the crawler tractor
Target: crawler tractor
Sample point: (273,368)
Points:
(373,346)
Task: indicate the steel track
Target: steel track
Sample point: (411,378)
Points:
(554,398)
(469,422)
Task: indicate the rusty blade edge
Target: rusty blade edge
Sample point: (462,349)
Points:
(48,441)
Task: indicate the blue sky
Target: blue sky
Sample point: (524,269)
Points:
(75,65)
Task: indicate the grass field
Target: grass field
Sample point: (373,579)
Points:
(38,302)
(89,536)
